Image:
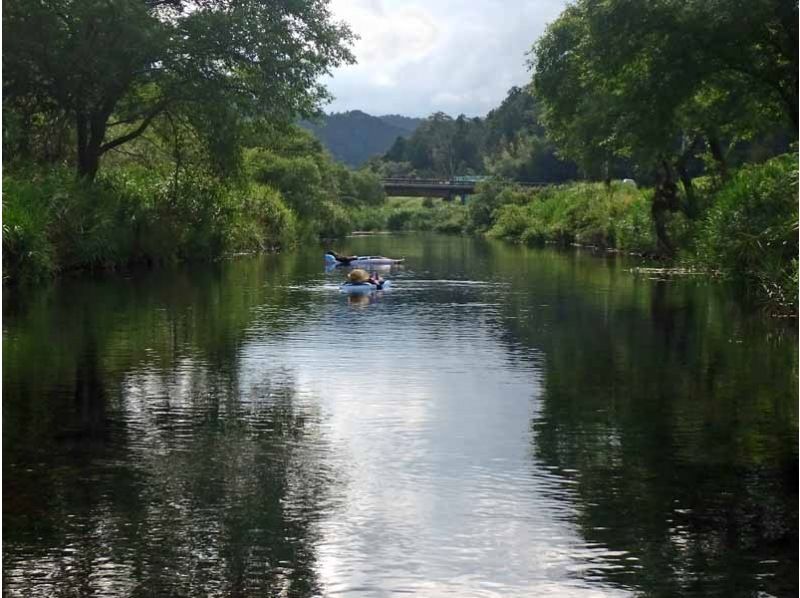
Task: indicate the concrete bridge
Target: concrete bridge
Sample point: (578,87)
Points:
(446,188)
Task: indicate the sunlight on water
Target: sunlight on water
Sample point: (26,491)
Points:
(499,423)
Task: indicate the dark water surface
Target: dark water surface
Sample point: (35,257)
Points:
(503,422)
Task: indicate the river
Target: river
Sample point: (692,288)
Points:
(502,422)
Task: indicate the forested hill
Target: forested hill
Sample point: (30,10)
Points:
(353,137)
(407,123)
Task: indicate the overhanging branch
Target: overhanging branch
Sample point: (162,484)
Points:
(136,132)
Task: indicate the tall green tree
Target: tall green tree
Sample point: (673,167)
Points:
(113,66)
(654,81)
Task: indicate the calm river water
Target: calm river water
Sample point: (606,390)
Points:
(503,422)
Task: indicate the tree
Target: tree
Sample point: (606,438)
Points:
(654,81)
(113,66)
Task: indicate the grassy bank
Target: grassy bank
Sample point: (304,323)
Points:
(286,193)
(745,229)
(53,222)
(413,213)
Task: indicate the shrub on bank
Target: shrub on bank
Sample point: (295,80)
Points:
(27,214)
(751,230)
(491,195)
(443,217)
(368,218)
(53,222)
(262,220)
(407,214)
(585,213)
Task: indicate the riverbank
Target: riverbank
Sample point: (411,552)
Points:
(743,229)
(281,195)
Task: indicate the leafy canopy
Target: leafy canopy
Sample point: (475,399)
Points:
(113,66)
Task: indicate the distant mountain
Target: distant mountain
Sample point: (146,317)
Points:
(402,122)
(353,137)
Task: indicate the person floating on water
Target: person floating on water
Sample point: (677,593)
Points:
(359,276)
(341,259)
(333,258)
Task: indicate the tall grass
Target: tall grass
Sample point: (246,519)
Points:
(585,213)
(751,231)
(412,214)
(53,222)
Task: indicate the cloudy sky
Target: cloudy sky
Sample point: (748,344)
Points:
(416,57)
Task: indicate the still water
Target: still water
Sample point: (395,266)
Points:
(502,422)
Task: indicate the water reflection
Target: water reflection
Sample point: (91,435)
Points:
(438,496)
(211,488)
(146,468)
(676,416)
(504,422)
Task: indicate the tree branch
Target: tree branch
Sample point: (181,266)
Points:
(136,132)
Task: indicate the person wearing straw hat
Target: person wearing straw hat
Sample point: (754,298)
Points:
(360,276)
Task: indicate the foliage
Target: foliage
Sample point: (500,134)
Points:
(417,214)
(491,195)
(153,206)
(651,81)
(751,231)
(664,83)
(509,142)
(589,214)
(53,222)
(746,230)
(112,68)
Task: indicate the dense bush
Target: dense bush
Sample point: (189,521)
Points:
(420,215)
(407,214)
(585,213)
(751,230)
(490,196)
(54,222)
(151,208)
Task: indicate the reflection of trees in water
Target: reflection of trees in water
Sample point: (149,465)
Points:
(680,418)
(216,490)
(234,488)
(134,461)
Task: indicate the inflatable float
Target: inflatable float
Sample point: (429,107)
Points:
(360,260)
(363,288)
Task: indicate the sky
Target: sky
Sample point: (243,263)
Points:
(417,57)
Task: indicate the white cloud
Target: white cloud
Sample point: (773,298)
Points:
(416,57)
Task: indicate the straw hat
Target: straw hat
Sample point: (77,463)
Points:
(358,275)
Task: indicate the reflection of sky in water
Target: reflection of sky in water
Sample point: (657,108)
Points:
(504,422)
(429,423)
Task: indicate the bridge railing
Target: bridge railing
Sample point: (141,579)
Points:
(416,181)
(453,182)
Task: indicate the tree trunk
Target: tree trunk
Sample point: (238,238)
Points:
(716,150)
(88,147)
(690,207)
(665,199)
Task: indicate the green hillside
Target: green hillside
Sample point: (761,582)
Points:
(353,137)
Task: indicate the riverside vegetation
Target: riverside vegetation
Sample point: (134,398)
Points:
(285,192)
(158,131)
(744,229)
(696,104)
(200,157)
